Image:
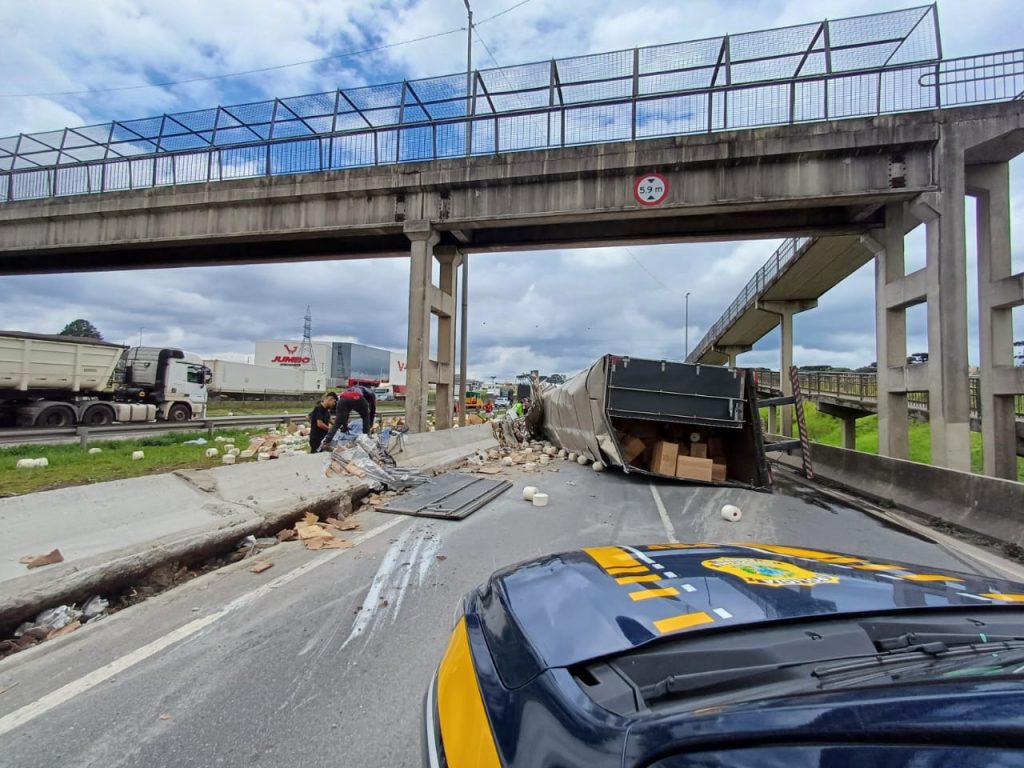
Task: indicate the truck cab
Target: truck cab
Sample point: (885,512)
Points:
(172,381)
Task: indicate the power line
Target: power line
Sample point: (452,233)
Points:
(244,73)
(655,278)
(486,46)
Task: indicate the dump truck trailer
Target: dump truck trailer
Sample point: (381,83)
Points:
(687,422)
(62,381)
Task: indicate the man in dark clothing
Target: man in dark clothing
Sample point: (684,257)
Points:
(320,420)
(359,399)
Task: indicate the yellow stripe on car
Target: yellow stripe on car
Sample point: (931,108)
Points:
(465,729)
(638,579)
(613,557)
(682,621)
(647,594)
(928,577)
(1006,597)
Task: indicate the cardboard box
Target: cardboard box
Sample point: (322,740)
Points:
(699,450)
(684,449)
(663,462)
(719,473)
(632,447)
(716,447)
(694,468)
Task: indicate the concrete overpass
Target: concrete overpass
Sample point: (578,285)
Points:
(844,123)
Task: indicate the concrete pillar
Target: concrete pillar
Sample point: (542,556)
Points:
(890,332)
(946,281)
(773,420)
(422,239)
(849,433)
(449,259)
(848,416)
(785,310)
(998,293)
(732,351)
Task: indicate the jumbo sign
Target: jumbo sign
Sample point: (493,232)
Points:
(291,358)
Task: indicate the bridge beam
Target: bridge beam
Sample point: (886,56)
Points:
(426,299)
(998,293)
(891,290)
(785,310)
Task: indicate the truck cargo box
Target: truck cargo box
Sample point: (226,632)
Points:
(32,361)
(688,422)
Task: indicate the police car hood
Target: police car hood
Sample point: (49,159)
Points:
(601,601)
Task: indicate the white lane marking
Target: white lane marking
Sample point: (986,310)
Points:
(368,610)
(429,557)
(67,692)
(670,533)
(723,613)
(689,587)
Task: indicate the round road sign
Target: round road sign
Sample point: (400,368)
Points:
(650,189)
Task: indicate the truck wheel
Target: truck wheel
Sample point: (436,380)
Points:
(179,413)
(98,416)
(55,416)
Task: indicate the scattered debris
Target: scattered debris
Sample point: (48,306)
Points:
(260,567)
(287,534)
(35,561)
(368,460)
(165,716)
(227,458)
(731,513)
(211,452)
(540,499)
(94,451)
(200,441)
(442,558)
(138,455)
(597,466)
(93,607)
(65,630)
(528,492)
(32,463)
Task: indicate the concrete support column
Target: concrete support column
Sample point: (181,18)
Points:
(998,293)
(732,351)
(773,420)
(449,259)
(848,417)
(785,310)
(422,239)
(890,332)
(946,281)
(849,433)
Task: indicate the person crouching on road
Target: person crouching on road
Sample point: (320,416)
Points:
(359,399)
(320,420)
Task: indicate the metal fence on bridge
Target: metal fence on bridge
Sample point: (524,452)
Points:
(862,388)
(844,68)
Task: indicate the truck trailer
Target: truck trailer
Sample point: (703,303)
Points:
(63,381)
(230,378)
(688,422)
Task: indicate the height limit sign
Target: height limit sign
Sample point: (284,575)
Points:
(650,189)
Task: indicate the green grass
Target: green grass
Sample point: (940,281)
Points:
(829,430)
(71,465)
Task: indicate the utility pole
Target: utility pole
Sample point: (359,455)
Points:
(686,327)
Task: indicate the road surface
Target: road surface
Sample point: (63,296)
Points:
(323,659)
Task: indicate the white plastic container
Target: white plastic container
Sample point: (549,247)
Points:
(528,492)
(540,499)
(228,458)
(138,455)
(731,513)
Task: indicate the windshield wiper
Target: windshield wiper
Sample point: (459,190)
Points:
(909,659)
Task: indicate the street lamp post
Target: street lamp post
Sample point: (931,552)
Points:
(686,328)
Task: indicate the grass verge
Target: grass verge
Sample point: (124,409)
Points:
(72,465)
(298,408)
(829,430)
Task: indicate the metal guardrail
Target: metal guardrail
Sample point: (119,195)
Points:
(863,388)
(844,68)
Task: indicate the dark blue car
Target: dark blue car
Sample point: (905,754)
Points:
(710,655)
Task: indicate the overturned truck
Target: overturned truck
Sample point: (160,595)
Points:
(695,423)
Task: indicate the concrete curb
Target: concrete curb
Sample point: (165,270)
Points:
(244,505)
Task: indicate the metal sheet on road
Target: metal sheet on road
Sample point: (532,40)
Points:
(451,496)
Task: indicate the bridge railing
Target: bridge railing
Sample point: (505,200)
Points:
(863,388)
(681,88)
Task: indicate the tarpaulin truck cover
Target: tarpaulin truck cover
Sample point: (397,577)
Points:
(620,409)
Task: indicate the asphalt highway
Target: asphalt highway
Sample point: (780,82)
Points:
(323,659)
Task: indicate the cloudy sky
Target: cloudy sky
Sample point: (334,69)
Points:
(552,310)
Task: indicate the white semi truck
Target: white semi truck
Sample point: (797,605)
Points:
(230,378)
(63,381)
